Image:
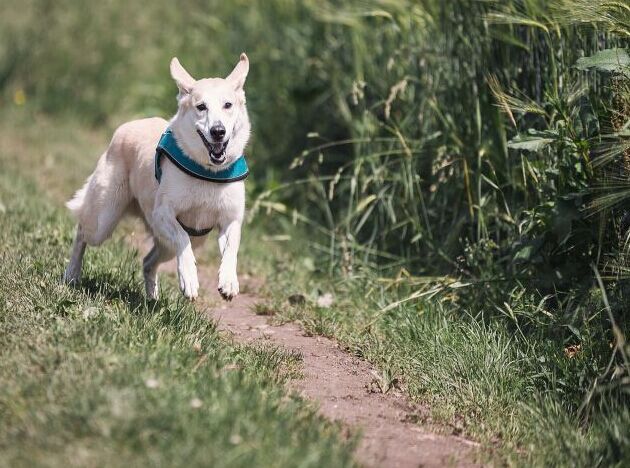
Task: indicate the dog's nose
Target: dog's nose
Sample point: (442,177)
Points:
(217,132)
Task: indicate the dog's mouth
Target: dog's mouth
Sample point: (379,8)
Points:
(216,150)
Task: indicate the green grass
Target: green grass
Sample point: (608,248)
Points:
(95,376)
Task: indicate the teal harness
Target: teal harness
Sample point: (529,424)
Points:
(169,148)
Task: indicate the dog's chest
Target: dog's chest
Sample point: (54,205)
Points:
(202,205)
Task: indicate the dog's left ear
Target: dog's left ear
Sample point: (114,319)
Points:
(239,74)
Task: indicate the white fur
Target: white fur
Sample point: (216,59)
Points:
(124,182)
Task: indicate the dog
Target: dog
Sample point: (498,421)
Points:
(178,205)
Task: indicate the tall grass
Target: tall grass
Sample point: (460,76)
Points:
(427,158)
(471,146)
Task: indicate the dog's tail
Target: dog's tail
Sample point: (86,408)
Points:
(76,202)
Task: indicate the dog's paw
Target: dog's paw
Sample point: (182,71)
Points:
(228,286)
(152,289)
(71,276)
(189,285)
(188,281)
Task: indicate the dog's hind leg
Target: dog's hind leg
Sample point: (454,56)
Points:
(103,199)
(107,220)
(157,255)
(72,275)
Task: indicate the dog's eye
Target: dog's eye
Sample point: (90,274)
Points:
(201,107)
(227,105)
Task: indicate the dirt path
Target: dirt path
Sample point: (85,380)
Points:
(341,384)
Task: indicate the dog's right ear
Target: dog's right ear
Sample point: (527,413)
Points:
(184,81)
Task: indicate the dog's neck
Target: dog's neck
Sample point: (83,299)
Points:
(190,142)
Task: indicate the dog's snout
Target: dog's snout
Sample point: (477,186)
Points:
(217,132)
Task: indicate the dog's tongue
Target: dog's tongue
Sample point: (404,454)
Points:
(216,149)
(217,153)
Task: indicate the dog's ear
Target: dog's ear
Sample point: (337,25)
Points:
(239,74)
(184,81)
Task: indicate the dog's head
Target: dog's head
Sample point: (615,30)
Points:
(211,124)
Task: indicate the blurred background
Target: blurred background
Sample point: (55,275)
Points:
(472,151)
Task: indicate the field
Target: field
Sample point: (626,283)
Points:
(442,184)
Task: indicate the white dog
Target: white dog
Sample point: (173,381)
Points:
(191,184)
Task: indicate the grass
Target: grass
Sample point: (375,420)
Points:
(97,376)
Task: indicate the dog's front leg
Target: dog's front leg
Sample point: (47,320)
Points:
(175,238)
(229,241)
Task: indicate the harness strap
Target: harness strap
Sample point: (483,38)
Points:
(194,232)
